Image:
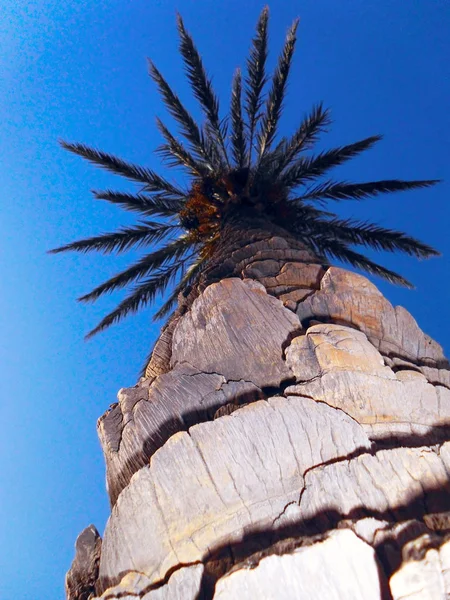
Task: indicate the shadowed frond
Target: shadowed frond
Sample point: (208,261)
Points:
(238,148)
(141,295)
(274,104)
(202,87)
(189,127)
(368,234)
(213,150)
(337,249)
(256,77)
(307,212)
(188,278)
(152,181)
(123,239)
(303,139)
(149,262)
(158,205)
(331,190)
(176,155)
(312,167)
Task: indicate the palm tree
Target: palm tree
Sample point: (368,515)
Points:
(239,176)
(290,436)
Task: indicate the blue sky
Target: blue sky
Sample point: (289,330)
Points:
(77,70)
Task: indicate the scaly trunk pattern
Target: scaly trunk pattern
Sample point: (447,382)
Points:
(289,440)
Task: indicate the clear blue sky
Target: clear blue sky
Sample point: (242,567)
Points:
(77,70)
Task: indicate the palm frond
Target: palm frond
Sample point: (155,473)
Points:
(224,128)
(146,264)
(158,205)
(119,241)
(306,213)
(237,124)
(213,150)
(176,155)
(337,249)
(308,168)
(256,77)
(274,104)
(152,181)
(368,234)
(202,87)
(140,296)
(189,127)
(303,139)
(187,279)
(191,274)
(332,190)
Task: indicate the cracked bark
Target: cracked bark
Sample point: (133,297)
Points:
(296,418)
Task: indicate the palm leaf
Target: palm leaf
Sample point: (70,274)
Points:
(176,155)
(304,138)
(315,166)
(256,76)
(357,191)
(306,213)
(337,249)
(237,123)
(146,264)
(201,86)
(119,241)
(187,279)
(158,205)
(274,104)
(189,127)
(140,296)
(213,150)
(152,181)
(191,274)
(368,234)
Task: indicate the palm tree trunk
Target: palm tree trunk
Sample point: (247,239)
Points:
(289,440)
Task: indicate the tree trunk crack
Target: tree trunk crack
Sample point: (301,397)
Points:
(283,512)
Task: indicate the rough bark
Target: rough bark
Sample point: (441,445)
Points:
(291,440)
(83,574)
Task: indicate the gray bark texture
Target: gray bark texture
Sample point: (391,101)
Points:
(291,439)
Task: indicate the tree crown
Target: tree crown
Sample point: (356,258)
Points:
(235,166)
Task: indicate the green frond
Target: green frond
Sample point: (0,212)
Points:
(119,241)
(256,77)
(306,213)
(189,127)
(312,167)
(146,264)
(331,190)
(237,124)
(202,87)
(337,249)
(224,128)
(274,104)
(369,234)
(141,295)
(158,205)
(188,278)
(303,139)
(213,150)
(152,181)
(176,155)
